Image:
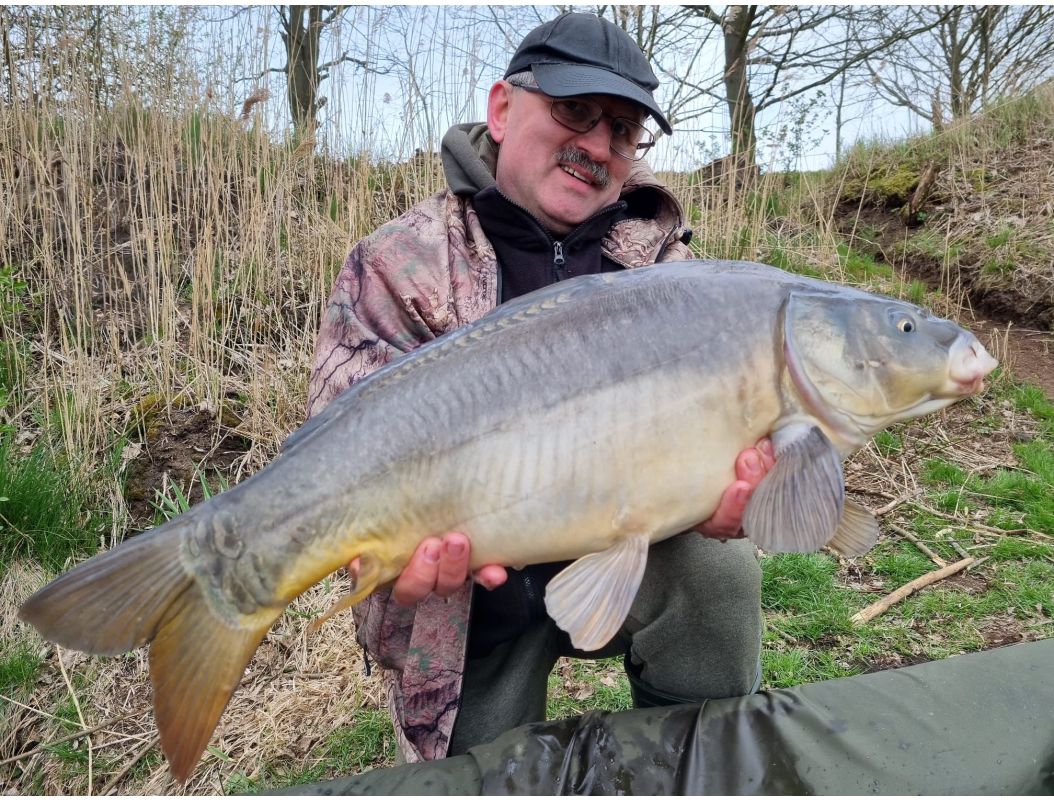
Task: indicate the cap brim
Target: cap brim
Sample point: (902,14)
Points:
(567,80)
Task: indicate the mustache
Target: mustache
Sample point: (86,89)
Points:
(572,155)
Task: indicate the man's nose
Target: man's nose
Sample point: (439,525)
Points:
(596,143)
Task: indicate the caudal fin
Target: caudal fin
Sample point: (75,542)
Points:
(114,602)
(196,663)
(141,592)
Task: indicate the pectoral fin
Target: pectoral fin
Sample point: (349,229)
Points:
(797,507)
(857,532)
(591,598)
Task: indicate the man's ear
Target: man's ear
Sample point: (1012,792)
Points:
(498,110)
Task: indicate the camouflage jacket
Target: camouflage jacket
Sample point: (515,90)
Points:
(413,279)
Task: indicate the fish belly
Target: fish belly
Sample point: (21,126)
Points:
(650,456)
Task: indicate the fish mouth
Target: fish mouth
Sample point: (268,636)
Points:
(970,365)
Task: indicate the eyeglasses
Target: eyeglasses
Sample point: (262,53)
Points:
(628,138)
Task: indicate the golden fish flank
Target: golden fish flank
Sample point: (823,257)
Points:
(584,421)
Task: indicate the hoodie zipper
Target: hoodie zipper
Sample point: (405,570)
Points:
(558,256)
(559,261)
(532,597)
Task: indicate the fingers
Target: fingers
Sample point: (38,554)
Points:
(441,566)
(453,564)
(418,578)
(754,463)
(491,576)
(437,566)
(727,519)
(751,467)
(767,453)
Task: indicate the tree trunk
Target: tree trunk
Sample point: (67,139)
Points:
(960,106)
(301,46)
(736,30)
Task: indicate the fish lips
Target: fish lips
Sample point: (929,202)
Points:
(969,365)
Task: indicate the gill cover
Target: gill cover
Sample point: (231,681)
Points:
(862,363)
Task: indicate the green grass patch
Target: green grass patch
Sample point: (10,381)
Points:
(801,589)
(931,244)
(1026,587)
(888,442)
(936,472)
(174,501)
(19,669)
(915,292)
(1029,491)
(367,742)
(42,509)
(1027,397)
(861,267)
(1011,548)
(362,745)
(999,239)
(785,668)
(900,563)
(600,684)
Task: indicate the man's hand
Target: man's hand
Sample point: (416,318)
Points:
(751,466)
(439,566)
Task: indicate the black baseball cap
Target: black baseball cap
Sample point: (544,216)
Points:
(584,54)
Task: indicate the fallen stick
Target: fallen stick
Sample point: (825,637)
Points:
(110,784)
(75,735)
(879,512)
(895,597)
(958,548)
(969,524)
(936,559)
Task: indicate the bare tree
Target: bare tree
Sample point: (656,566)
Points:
(104,53)
(777,54)
(301,31)
(962,58)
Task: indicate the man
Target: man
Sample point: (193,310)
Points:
(549,188)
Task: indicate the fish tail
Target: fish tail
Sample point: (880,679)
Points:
(141,592)
(196,662)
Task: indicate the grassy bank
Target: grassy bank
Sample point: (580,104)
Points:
(162,277)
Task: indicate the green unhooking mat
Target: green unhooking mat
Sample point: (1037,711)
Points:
(974,724)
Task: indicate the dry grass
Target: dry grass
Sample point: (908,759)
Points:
(297,690)
(179,256)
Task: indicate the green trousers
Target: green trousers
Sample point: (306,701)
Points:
(693,633)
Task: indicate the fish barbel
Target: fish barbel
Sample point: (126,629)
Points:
(581,422)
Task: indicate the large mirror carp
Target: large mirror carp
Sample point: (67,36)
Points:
(584,421)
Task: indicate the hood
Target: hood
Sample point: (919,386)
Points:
(470,158)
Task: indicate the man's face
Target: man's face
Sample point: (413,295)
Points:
(541,165)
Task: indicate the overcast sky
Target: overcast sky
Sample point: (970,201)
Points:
(439,68)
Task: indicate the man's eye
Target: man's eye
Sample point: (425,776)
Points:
(573,108)
(621,131)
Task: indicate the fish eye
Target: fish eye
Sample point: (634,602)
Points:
(906,325)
